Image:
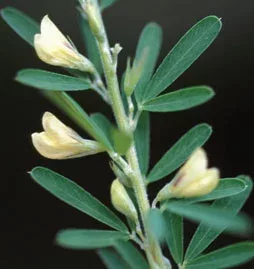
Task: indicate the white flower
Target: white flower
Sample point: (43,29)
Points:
(193,179)
(54,48)
(61,142)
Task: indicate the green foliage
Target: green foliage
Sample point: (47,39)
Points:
(142,141)
(22,24)
(148,48)
(156,223)
(214,216)
(111,259)
(88,239)
(106,3)
(185,52)
(180,100)
(72,194)
(205,234)
(45,80)
(230,256)
(131,255)
(180,151)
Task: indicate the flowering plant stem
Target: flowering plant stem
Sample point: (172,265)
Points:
(151,245)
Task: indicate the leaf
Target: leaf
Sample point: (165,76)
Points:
(121,140)
(217,218)
(205,234)
(156,224)
(75,196)
(71,108)
(142,141)
(111,259)
(45,80)
(174,235)
(227,187)
(180,151)
(226,257)
(107,3)
(149,46)
(131,255)
(23,25)
(91,45)
(88,239)
(183,55)
(180,100)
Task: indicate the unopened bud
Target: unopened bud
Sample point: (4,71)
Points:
(122,202)
(193,179)
(53,48)
(61,142)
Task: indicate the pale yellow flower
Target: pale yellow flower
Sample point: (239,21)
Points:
(122,202)
(193,179)
(54,48)
(61,142)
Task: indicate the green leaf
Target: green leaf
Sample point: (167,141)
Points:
(142,141)
(205,234)
(107,3)
(226,257)
(71,108)
(180,151)
(131,255)
(180,100)
(216,217)
(121,140)
(23,25)
(91,45)
(111,259)
(72,194)
(88,239)
(149,46)
(184,53)
(227,187)
(156,224)
(45,80)
(174,235)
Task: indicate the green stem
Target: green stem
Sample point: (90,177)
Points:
(152,247)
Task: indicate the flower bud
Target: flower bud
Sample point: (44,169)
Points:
(61,142)
(53,48)
(193,179)
(122,202)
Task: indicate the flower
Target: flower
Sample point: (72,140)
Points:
(122,202)
(54,48)
(193,179)
(61,142)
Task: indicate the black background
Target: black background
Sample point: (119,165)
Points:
(30,217)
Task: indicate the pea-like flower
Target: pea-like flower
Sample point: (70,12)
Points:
(58,141)
(193,179)
(122,202)
(54,48)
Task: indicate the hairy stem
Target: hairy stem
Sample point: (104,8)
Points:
(151,245)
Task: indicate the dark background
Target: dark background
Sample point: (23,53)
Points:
(30,216)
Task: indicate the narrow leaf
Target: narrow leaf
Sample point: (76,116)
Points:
(180,151)
(205,234)
(90,43)
(156,224)
(45,80)
(180,100)
(22,24)
(121,140)
(148,48)
(72,194)
(131,255)
(111,259)
(227,187)
(142,141)
(174,235)
(184,53)
(107,3)
(88,239)
(215,217)
(226,257)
